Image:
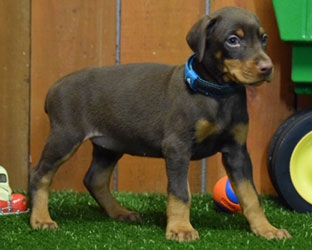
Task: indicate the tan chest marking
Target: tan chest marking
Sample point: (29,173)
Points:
(240,133)
(204,129)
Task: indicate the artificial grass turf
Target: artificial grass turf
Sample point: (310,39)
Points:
(83,225)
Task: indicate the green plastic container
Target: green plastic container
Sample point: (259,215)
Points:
(294,19)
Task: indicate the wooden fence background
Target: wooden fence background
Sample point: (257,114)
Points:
(43,40)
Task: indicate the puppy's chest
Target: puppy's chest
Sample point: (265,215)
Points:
(205,129)
(210,136)
(222,120)
(232,127)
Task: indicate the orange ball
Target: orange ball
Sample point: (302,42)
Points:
(224,197)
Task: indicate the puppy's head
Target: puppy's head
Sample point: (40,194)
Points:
(231,42)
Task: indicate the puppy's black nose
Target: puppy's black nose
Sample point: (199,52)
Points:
(265,67)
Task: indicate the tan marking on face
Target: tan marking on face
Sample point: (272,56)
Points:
(240,133)
(261,31)
(179,227)
(205,129)
(240,33)
(244,72)
(219,55)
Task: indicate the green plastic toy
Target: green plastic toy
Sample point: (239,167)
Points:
(295,24)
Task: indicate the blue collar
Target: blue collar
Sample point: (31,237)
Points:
(199,85)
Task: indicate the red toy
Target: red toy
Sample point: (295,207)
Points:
(17,205)
(10,203)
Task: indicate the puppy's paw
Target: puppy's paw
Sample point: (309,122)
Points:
(182,233)
(49,225)
(270,233)
(128,217)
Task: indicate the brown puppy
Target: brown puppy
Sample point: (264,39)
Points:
(180,113)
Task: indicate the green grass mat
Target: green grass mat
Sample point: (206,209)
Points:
(83,225)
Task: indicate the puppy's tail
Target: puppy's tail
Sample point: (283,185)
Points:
(49,98)
(45,106)
(46,103)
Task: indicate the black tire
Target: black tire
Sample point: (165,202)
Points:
(280,152)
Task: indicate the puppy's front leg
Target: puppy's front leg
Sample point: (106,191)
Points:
(177,158)
(239,168)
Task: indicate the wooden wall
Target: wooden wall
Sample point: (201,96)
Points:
(73,34)
(67,36)
(14,89)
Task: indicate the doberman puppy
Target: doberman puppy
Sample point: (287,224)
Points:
(180,113)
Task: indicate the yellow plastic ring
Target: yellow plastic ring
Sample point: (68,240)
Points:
(301,167)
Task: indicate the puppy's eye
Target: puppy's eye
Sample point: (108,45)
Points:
(264,39)
(233,41)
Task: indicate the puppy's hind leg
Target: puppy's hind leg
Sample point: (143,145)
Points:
(98,179)
(59,147)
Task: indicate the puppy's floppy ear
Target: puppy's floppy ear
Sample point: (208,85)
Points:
(196,38)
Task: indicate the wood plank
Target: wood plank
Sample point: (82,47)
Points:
(14,90)
(270,104)
(67,36)
(155,31)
